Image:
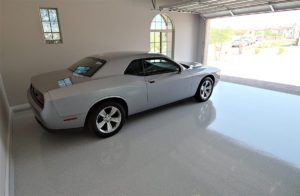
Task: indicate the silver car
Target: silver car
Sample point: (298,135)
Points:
(100,91)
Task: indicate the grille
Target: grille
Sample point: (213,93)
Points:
(37,96)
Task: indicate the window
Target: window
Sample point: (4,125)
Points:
(159,66)
(135,68)
(162,35)
(51,26)
(87,66)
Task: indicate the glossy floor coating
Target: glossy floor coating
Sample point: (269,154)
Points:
(245,141)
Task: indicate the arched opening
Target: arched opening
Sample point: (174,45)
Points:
(162,35)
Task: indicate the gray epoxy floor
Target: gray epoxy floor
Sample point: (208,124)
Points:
(245,141)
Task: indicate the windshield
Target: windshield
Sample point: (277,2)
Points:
(87,66)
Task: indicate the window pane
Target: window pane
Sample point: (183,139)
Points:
(48,36)
(164,37)
(159,66)
(164,47)
(46,27)
(53,15)
(135,68)
(153,25)
(44,15)
(56,36)
(152,47)
(163,27)
(50,25)
(158,25)
(54,26)
(157,18)
(152,37)
(157,47)
(157,36)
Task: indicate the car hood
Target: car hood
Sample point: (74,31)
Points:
(191,65)
(49,81)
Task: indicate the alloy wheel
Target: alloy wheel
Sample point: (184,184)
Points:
(206,89)
(108,119)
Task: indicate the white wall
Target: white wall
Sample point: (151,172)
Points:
(88,27)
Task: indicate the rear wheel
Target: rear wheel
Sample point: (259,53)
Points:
(205,90)
(107,119)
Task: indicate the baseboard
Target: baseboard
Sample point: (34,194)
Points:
(19,108)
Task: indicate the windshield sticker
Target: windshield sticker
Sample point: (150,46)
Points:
(80,70)
(65,82)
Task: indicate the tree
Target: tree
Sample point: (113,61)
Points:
(219,36)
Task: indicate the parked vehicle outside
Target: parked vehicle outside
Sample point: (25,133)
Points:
(239,43)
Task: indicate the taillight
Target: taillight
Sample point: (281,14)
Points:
(37,96)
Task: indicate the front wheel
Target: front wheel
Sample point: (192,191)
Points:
(107,119)
(205,90)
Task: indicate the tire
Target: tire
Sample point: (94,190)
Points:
(107,119)
(204,90)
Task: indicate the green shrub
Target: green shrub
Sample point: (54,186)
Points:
(264,45)
(281,50)
(277,44)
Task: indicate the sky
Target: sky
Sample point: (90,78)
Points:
(258,20)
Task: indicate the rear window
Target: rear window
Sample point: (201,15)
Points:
(87,66)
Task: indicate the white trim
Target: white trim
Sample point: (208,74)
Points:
(8,140)
(7,191)
(206,42)
(7,153)
(5,96)
(19,108)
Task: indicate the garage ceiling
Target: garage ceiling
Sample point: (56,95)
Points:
(222,8)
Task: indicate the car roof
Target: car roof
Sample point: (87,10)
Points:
(117,62)
(126,54)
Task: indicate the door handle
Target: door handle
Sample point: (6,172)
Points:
(151,81)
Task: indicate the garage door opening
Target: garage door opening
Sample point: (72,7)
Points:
(264,47)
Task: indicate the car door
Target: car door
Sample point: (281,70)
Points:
(135,87)
(165,81)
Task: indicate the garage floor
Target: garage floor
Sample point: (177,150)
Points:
(245,141)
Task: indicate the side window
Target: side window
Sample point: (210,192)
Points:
(135,68)
(159,66)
